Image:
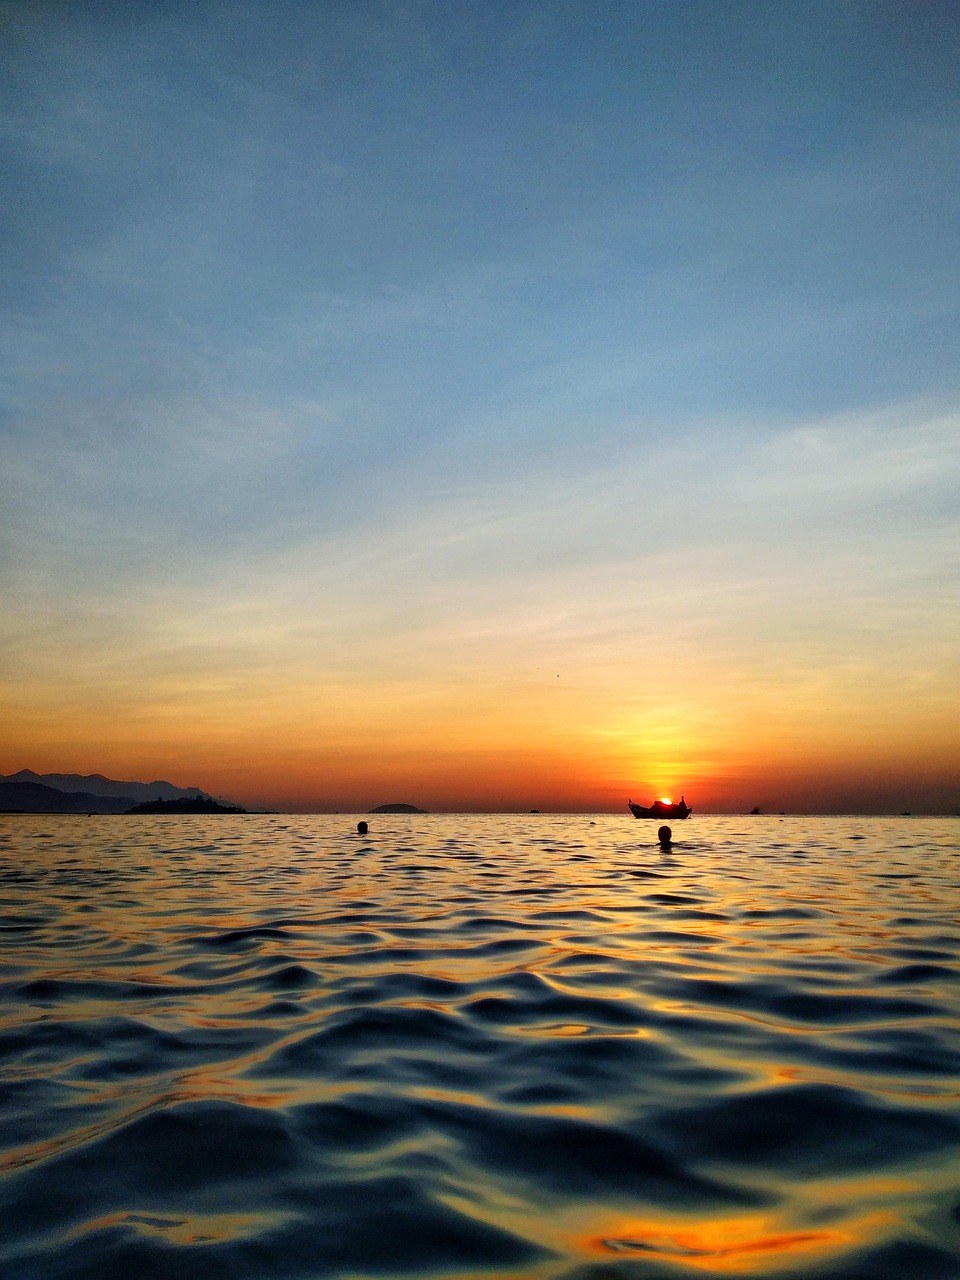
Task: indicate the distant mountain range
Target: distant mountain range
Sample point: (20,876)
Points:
(83,793)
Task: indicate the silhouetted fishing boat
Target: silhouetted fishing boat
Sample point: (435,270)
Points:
(661,809)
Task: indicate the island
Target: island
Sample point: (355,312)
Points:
(397,808)
(198,804)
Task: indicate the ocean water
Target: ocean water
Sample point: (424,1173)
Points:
(500,1046)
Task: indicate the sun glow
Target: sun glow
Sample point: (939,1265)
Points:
(665,800)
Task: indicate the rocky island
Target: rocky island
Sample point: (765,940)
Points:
(198,804)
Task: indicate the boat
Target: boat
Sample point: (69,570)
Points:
(661,809)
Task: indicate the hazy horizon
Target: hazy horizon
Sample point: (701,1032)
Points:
(508,406)
(871,805)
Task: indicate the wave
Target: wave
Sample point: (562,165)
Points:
(485,1047)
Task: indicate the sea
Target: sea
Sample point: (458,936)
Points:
(490,1046)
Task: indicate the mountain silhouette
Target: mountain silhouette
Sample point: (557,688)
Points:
(34,797)
(95,784)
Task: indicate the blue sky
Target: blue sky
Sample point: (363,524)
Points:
(322,320)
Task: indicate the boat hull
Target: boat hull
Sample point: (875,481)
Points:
(660,810)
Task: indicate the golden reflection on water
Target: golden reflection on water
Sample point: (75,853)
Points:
(696,982)
(195,1229)
(731,1245)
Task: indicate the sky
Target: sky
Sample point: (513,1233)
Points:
(483,404)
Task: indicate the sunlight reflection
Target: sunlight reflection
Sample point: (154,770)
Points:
(195,1229)
(733,1245)
(543,1027)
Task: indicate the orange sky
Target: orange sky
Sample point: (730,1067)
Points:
(582,738)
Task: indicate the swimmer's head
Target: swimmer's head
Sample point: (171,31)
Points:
(362,828)
(664,835)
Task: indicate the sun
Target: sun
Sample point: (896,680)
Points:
(665,800)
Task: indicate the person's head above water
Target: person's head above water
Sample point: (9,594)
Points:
(664,835)
(362,828)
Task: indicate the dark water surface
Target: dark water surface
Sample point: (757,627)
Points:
(525,1047)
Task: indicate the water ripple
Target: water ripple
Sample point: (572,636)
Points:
(504,1047)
